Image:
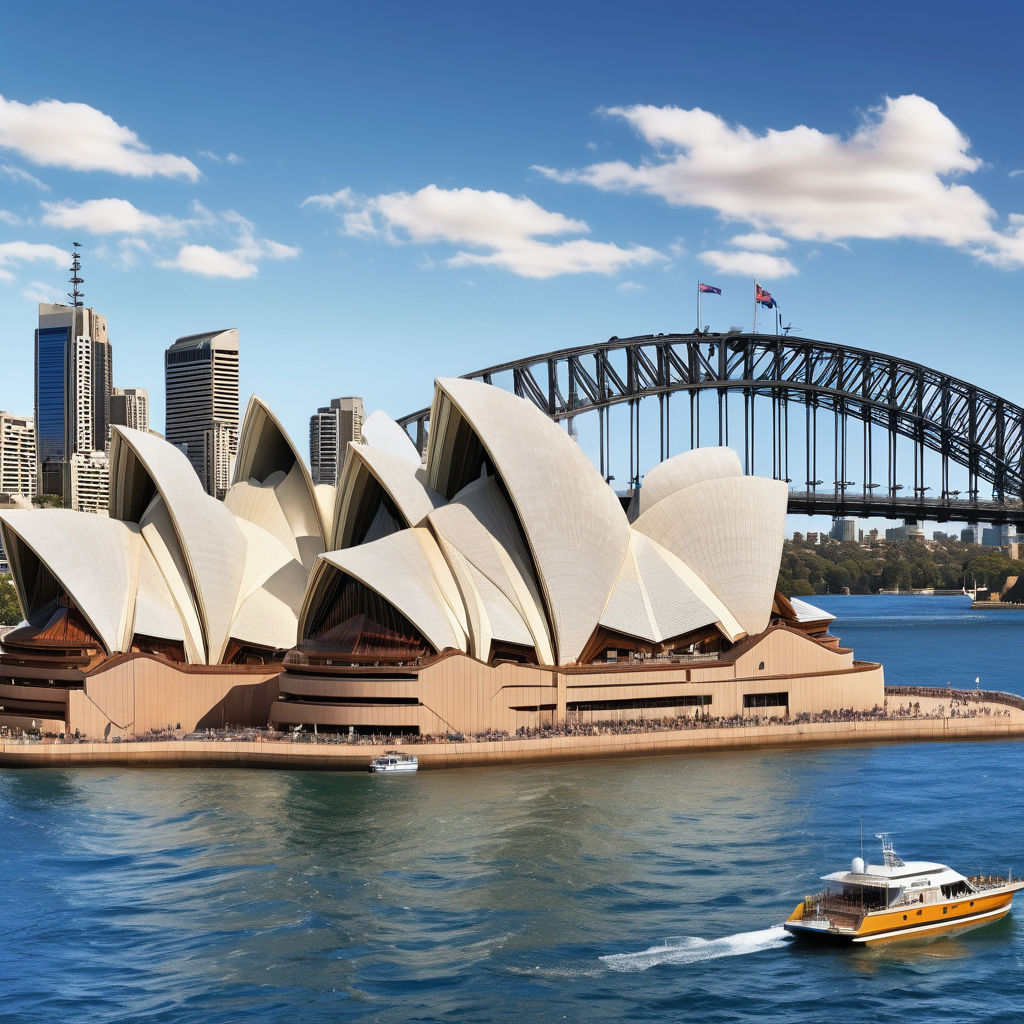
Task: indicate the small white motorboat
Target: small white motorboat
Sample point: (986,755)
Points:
(394,761)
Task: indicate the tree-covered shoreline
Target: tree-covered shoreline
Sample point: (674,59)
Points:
(833,565)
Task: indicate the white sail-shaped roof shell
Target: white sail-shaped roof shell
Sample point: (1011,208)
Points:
(211,542)
(684,470)
(383,433)
(161,540)
(266,456)
(658,597)
(806,612)
(271,594)
(408,570)
(729,531)
(402,480)
(156,612)
(574,526)
(481,527)
(93,558)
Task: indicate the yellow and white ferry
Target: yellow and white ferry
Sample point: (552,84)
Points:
(899,900)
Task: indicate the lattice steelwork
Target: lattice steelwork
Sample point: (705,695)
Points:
(965,425)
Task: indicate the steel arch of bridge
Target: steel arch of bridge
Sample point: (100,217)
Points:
(966,425)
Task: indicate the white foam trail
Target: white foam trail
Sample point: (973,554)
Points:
(689,949)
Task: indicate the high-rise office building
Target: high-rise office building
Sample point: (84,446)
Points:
(17,455)
(129,407)
(73,371)
(87,482)
(201,377)
(220,445)
(331,428)
(844,529)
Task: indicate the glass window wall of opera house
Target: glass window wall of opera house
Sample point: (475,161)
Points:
(497,584)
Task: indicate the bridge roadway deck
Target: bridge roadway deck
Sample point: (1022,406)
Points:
(882,506)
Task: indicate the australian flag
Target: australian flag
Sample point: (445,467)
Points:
(764,298)
(709,288)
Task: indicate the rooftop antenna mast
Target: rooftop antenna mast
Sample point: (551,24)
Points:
(76,295)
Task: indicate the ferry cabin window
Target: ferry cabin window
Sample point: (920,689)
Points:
(766,700)
(954,889)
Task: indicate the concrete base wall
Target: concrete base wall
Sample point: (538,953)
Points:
(342,757)
(462,695)
(139,693)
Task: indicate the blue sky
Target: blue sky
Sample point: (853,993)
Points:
(377,195)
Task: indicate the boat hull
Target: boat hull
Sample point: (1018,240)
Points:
(905,923)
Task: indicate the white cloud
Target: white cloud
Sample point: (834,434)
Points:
(240,262)
(130,249)
(630,286)
(17,174)
(678,248)
(894,177)
(40,132)
(40,291)
(240,258)
(507,230)
(231,158)
(109,216)
(748,263)
(8,217)
(766,243)
(14,253)
(210,262)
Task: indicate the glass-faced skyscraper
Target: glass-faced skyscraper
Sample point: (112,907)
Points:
(201,378)
(72,390)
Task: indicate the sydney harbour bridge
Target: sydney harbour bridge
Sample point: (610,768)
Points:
(853,432)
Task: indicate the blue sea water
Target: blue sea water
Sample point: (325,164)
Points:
(643,890)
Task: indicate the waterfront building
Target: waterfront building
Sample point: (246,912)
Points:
(500,586)
(17,455)
(969,534)
(331,428)
(812,538)
(201,379)
(73,366)
(129,407)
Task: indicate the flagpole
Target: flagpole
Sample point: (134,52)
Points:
(698,307)
(753,330)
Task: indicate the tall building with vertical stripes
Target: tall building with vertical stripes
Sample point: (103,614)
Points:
(201,379)
(72,390)
(331,428)
(129,407)
(17,455)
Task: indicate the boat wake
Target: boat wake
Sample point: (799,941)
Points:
(689,949)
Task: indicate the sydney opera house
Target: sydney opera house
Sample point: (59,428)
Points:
(498,583)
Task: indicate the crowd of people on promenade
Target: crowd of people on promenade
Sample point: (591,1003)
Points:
(962,705)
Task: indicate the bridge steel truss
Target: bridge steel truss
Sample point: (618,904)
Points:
(965,425)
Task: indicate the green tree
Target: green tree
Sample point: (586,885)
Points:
(10,610)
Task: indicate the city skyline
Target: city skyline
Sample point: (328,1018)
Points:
(430,194)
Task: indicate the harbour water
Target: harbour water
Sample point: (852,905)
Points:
(647,890)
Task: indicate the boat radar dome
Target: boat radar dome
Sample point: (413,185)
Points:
(857,867)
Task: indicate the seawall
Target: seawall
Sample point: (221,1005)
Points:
(343,757)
